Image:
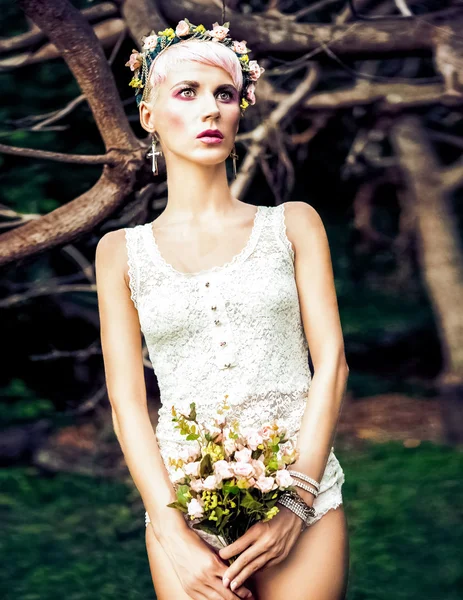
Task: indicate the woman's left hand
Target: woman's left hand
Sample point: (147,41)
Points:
(263,545)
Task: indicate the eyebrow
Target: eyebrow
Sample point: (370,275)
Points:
(196,84)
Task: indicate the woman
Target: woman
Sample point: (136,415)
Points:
(229,297)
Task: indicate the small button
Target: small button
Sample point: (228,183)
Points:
(217,322)
(207,284)
(223,343)
(214,307)
(227,365)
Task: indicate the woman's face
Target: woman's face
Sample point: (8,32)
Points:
(194,97)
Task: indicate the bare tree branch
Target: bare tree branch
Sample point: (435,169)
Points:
(76,40)
(35,36)
(78,159)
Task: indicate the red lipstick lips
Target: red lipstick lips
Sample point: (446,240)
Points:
(216,133)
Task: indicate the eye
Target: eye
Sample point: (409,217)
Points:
(187,89)
(230,94)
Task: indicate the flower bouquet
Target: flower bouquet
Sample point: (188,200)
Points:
(232,479)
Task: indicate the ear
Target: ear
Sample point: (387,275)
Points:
(146,117)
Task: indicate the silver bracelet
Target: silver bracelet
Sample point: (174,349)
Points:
(307,488)
(304,477)
(296,504)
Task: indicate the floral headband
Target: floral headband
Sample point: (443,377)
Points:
(153,45)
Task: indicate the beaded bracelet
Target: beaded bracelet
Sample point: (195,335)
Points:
(296,504)
(304,477)
(307,488)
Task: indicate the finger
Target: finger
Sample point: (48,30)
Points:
(248,571)
(221,591)
(240,544)
(244,592)
(241,562)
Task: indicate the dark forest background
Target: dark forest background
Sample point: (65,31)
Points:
(362,112)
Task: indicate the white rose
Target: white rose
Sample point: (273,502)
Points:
(150,42)
(265,484)
(196,485)
(243,469)
(259,467)
(229,446)
(177,476)
(253,439)
(211,483)
(182,28)
(223,469)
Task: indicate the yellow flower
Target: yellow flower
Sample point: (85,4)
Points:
(271,513)
(244,58)
(169,33)
(244,104)
(200,28)
(136,83)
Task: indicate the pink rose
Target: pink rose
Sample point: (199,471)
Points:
(243,469)
(212,482)
(182,28)
(284,479)
(195,509)
(243,455)
(250,93)
(150,42)
(266,431)
(223,470)
(240,47)
(196,485)
(192,469)
(218,32)
(134,61)
(255,70)
(265,484)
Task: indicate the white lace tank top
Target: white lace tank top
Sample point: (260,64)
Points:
(235,329)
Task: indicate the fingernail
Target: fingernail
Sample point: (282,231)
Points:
(226,582)
(233,585)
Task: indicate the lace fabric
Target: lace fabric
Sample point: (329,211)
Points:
(234,329)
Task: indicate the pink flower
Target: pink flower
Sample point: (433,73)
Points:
(195,509)
(243,469)
(134,61)
(284,479)
(250,93)
(212,482)
(192,469)
(223,469)
(266,431)
(182,28)
(265,484)
(218,32)
(243,455)
(253,439)
(255,70)
(240,47)
(196,485)
(150,42)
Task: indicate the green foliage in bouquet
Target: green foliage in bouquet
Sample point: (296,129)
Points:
(233,478)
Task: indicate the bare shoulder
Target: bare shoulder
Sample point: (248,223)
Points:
(111,256)
(303,224)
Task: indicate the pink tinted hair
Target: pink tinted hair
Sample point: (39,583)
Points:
(208,53)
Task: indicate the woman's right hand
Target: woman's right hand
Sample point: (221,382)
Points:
(200,569)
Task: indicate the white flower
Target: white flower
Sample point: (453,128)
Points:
(229,446)
(196,485)
(259,467)
(182,28)
(253,439)
(223,469)
(255,70)
(243,469)
(266,431)
(177,476)
(150,42)
(212,482)
(192,468)
(284,479)
(265,484)
(243,455)
(195,509)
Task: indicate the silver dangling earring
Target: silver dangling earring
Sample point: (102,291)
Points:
(234,156)
(154,155)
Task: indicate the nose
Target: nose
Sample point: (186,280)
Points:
(210,108)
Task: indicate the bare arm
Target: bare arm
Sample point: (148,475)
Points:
(322,326)
(122,353)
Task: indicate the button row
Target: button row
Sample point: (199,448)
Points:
(221,331)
